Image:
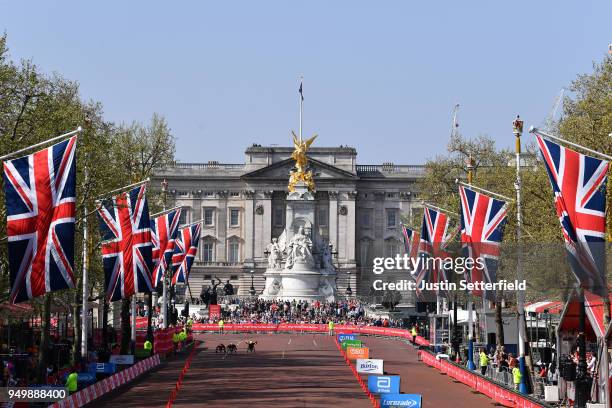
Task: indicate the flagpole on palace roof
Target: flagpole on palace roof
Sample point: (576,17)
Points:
(53,139)
(301,105)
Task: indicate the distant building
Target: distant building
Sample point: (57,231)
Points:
(242,207)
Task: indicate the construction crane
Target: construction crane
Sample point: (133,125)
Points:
(551,117)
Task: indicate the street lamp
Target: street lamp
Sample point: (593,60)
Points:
(252,290)
(349,291)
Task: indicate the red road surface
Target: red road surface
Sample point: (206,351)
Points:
(288,370)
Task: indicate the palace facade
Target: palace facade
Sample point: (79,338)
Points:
(359,209)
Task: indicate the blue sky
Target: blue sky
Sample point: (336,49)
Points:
(380,76)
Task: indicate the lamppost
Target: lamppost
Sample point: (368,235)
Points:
(252,290)
(349,291)
(517,129)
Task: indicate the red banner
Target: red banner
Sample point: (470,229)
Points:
(214,311)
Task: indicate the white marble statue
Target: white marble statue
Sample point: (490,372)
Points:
(275,258)
(327,263)
(299,249)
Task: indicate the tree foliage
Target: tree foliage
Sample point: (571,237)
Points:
(34,107)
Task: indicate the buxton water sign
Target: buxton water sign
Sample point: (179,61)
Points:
(369,366)
(351,343)
(384,384)
(400,400)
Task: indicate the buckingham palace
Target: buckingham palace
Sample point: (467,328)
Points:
(358,210)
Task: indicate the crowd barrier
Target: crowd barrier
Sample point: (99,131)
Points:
(179,382)
(312,328)
(496,392)
(100,388)
(362,384)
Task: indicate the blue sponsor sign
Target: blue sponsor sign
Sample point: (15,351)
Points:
(400,400)
(86,378)
(104,368)
(342,337)
(384,384)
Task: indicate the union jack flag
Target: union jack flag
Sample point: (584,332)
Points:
(411,241)
(185,252)
(433,237)
(579,185)
(483,219)
(126,247)
(163,234)
(40,193)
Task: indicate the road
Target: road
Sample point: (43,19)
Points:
(287,370)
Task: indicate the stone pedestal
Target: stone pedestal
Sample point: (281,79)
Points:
(304,274)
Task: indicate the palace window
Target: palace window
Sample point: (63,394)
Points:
(208,250)
(322,217)
(183,217)
(234,217)
(391,248)
(366,218)
(279,217)
(233,251)
(391,218)
(208,216)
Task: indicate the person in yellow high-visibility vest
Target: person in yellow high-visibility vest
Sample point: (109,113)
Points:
(484,362)
(175,341)
(330,327)
(148,346)
(72,381)
(183,336)
(221,324)
(516,377)
(414,333)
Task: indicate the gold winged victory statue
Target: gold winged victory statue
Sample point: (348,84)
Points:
(301,161)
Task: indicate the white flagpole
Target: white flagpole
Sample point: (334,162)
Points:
(123,188)
(134,322)
(558,139)
(53,139)
(164,189)
(85,303)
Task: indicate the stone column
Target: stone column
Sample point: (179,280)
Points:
(333,218)
(249,227)
(222,222)
(263,235)
(350,226)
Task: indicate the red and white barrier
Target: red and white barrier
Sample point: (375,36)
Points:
(100,388)
(318,328)
(496,392)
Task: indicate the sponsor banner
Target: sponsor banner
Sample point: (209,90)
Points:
(369,366)
(400,400)
(343,337)
(384,384)
(214,311)
(353,353)
(351,343)
(106,368)
(122,359)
